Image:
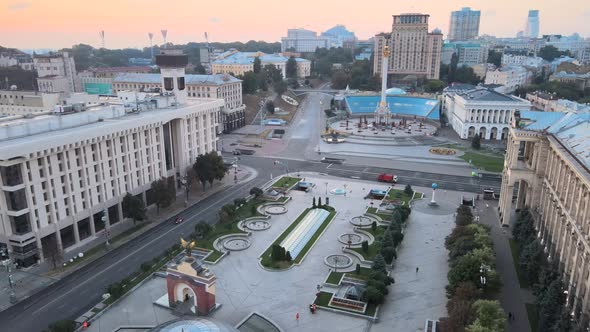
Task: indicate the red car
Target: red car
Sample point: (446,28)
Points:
(178,220)
(387,178)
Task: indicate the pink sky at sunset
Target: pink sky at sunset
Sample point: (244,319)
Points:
(62,23)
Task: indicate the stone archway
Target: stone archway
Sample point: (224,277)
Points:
(471,132)
(494,133)
(185,294)
(504,133)
(482,132)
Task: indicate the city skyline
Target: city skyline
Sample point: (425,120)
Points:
(58,24)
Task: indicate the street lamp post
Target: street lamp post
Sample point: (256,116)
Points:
(11,292)
(236,169)
(326,183)
(483,270)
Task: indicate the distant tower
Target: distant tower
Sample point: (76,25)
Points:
(151,37)
(172,63)
(164,35)
(532,24)
(101,33)
(382,113)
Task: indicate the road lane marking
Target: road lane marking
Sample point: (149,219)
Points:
(78,285)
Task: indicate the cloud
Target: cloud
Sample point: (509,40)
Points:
(214,20)
(18,5)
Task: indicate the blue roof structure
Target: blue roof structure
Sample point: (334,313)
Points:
(398,104)
(540,120)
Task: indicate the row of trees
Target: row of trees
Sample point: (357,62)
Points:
(472,278)
(357,76)
(261,78)
(543,275)
(279,254)
(559,89)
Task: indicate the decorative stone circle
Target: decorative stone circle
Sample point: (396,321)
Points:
(258,225)
(338,261)
(443,151)
(236,244)
(275,209)
(355,239)
(361,221)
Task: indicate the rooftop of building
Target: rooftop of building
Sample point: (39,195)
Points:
(217,79)
(120,69)
(245,58)
(398,104)
(563,74)
(20,135)
(459,87)
(487,94)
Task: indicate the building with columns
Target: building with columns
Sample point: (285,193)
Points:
(60,174)
(548,167)
(481,111)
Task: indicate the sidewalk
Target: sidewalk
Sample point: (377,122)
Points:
(29,281)
(512,297)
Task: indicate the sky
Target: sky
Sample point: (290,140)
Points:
(62,23)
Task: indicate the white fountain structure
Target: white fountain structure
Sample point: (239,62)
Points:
(382,113)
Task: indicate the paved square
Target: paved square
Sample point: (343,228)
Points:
(243,286)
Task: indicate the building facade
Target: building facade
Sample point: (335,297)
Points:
(304,41)
(510,77)
(339,36)
(219,86)
(482,112)
(58,65)
(464,24)
(468,53)
(547,164)
(522,60)
(14,102)
(63,177)
(238,63)
(414,50)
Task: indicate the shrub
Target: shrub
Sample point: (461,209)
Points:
(313,206)
(319,202)
(379,264)
(358,269)
(389,254)
(373,295)
(257,192)
(145,267)
(239,202)
(115,290)
(365,246)
(277,253)
(373,226)
(404,211)
(202,228)
(288,257)
(408,190)
(476,142)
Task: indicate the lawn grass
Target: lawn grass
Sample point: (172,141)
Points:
(364,274)
(373,251)
(515,250)
(334,278)
(383,216)
(265,258)
(285,182)
(533,315)
(398,194)
(486,162)
(213,256)
(323,299)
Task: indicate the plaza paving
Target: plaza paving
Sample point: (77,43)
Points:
(243,286)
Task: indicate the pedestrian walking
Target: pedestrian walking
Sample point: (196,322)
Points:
(509,316)
(417,268)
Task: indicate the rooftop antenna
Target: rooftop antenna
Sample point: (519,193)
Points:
(164,35)
(151,37)
(101,33)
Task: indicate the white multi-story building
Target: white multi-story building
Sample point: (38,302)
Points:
(511,77)
(7,61)
(413,50)
(58,65)
(482,112)
(468,53)
(14,102)
(304,41)
(464,24)
(532,24)
(63,176)
(54,84)
(238,63)
(522,60)
(215,86)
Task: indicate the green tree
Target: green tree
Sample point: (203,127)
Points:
(277,253)
(459,308)
(313,206)
(467,269)
(228,213)
(531,260)
(288,256)
(476,142)
(249,83)
(357,269)
(464,216)
(291,68)
(202,228)
(273,74)
(373,295)
(257,192)
(163,193)
(257,65)
(340,80)
(524,230)
(209,167)
(408,190)
(379,264)
(550,53)
(433,86)
(388,254)
(453,68)
(374,226)
(550,306)
(280,87)
(134,208)
(365,246)
(465,74)
(495,58)
(490,317)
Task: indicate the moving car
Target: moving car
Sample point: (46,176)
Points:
(178,220)
(387,178)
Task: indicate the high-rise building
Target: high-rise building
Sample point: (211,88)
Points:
(532,24)
(339,36)
(55,68)
(302,40)
(63,176)
(464,24)
(413,50)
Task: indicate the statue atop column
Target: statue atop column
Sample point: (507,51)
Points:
(382,113)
